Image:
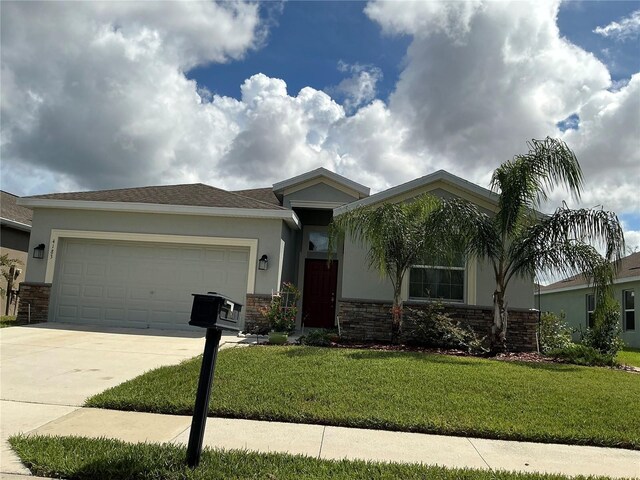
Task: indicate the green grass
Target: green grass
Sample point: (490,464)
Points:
(629,356)
(82,458)
(401,391)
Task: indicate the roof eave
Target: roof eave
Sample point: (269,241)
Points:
(25,227)
(288,216)
(581,286)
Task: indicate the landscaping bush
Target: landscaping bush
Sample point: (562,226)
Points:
(432,327)
(579,354)
(316,338)
(283,309)
(605,334)
(555,334)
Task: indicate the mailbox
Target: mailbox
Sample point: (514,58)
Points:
(213,310)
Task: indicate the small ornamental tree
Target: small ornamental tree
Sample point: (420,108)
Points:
(519,242)
(396,236)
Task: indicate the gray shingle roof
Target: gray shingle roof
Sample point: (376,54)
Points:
(629,267)
(263,194)
(11,211)
(196,194)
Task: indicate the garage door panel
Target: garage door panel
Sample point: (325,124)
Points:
(90,313)
(116,293)
(70,290)
(214,255)
(191,254)
(93,291)
(72,268)
(142,284)
(238,257)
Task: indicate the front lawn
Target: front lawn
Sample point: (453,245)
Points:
(101,459)
(629,356)
(401,391)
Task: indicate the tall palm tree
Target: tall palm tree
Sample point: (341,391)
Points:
(397,236)
(518,241)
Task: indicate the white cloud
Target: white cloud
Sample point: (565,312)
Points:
(627,28)
(104,102)
(481,79)
(94,94)
(358,89)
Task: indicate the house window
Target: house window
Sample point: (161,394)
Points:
(438,278)
(628,309)
(318,242)
(591,306)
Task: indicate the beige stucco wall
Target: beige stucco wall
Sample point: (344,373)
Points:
(268,232)
(362,283)
(574,305)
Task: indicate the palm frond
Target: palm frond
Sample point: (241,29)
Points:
(525,181)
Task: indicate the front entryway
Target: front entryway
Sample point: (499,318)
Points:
(319,293)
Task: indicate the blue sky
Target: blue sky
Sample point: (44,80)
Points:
(244,94)
(309,38)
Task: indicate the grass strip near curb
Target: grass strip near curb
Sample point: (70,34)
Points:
(76,458)
(401,391)
(629,356)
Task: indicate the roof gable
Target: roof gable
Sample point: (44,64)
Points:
(442,180)
(318,175)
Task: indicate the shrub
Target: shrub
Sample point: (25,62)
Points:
(283,309)
(605,334)
(583,355)
(316,338)
(432,327)
(554,332)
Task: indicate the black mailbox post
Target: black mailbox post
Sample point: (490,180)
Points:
(215,313)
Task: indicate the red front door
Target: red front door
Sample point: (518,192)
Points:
(319,293)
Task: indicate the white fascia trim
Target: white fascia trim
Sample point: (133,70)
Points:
(287,215)
(17,225)
(586,285)
(315,204)
(417,183)
(321,172)
(252,243)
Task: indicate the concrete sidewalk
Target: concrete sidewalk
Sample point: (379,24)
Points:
(337,443)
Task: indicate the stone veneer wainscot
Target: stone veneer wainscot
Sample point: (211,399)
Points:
(34,302)
(370,321)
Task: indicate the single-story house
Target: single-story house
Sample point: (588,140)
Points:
(574,296)
(133,256)
(15,228)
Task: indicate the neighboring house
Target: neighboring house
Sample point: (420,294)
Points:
(575,297)
(132,257)
(15,227)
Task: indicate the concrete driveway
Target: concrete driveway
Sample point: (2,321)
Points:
(49,370)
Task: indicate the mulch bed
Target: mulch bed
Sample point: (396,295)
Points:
(529,357)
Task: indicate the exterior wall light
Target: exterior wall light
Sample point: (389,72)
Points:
(38,252)
(263,263)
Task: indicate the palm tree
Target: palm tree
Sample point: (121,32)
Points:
(519,242)
(397,235)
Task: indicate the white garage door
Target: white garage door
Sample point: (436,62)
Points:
(142,285)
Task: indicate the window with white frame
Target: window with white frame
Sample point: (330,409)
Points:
(591,306)
(438,278)
(629,309)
